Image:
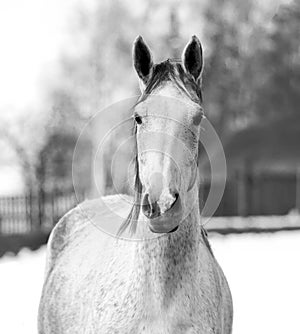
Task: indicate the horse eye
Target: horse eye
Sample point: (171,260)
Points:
(138,119)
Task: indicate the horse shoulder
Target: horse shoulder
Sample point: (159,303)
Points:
(75,222)
(71,222)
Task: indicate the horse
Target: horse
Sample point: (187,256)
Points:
(166,279)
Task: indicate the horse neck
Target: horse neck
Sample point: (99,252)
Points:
(177,252)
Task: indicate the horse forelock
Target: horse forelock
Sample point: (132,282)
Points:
(172,70)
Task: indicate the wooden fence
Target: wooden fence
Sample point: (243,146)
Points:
(26,214)
(245,195)
(257,194)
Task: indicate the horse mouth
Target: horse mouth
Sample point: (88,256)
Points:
(168,222)
(165,223)
(163,230)
(174,229)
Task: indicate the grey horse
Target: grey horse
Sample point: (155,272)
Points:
(166,280)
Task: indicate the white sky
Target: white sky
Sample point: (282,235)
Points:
(32,33)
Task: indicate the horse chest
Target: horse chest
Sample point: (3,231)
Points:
(137,309)
(148,301)
(124,290)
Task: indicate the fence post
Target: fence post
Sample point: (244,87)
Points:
(241,192)
(41,208)
(30,213)
(244,189)
(53,209)
(298,189)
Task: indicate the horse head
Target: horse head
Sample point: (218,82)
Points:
(167,120)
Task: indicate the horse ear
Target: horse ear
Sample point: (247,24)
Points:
(142,59)
(192,58)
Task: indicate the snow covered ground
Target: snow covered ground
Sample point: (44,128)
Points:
(21,280)
(264,276)
(263,272)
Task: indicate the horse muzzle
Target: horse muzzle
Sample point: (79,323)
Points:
(162,222)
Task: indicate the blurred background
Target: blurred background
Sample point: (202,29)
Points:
(63,61)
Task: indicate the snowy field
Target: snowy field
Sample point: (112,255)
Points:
(263,272)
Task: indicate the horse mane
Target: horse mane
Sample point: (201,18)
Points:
(168,70)
(132,218)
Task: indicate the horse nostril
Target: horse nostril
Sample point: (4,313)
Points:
(150,209)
